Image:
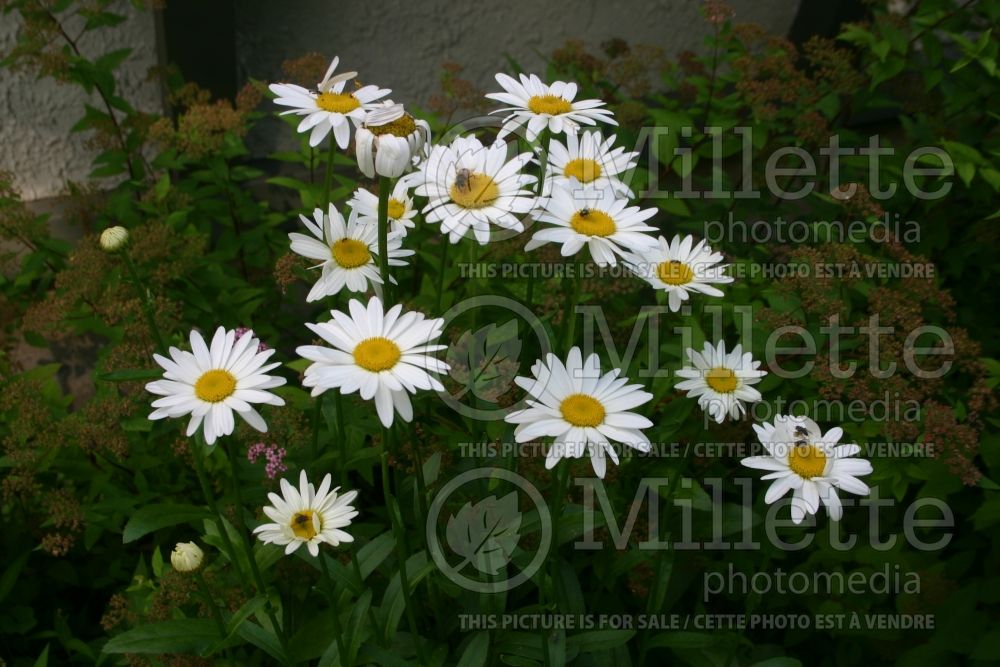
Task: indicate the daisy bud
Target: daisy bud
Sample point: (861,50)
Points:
(186,557)
(387,141)
(114,239)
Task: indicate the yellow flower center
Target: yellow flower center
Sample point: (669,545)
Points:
(337,102)
(721,380)
(376,354)
(582,410)
(474,190)
(589,222)
(304,524)
(215,385)
(675,273)
(550,104)
(403,126)
(807,461)
(396,209)
(350,254)
(582,169)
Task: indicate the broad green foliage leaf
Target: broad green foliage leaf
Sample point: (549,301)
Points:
(185,635)
(154,517)
(485,533)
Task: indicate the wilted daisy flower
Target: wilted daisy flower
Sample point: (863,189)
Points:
(346,252)
(541,105)
(328,107)
(470,185)
(210,383)
(588,160)
(720,381)
(388,140)
(307,516)
(583,410)
(801,458)
(385,355)
(598,219)
(401,211)
(680,267)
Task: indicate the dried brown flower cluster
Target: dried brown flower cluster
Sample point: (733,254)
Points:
(457,94)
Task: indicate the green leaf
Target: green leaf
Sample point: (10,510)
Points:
(183,635)
(485,533)
(682,640)
(477,652)
(154,517)
(599,640)
(131,374)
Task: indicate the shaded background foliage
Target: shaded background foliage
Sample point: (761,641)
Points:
(208,224)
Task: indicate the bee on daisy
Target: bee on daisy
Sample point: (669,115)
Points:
(589,160)
(401,210)
(328,107)
(307,516)
(385,355)
(721,381)
(540,106)
(210,383)
(346,252)
(471,186)
(583,410)
(601,220)
(680,268)
(802,459)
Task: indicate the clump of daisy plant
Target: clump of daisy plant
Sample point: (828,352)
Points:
(307,516)
(211,383)
(384,355)
(811,464)
(720,380)
(582,409)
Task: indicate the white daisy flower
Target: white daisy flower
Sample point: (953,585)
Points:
(588,160)
(347,252)
(401,210)
(720,381)
(385,355)
(811,464)
(328,107)
(472,186)
(679,268)
(583,410)
(540,106)
(598,219)
(210,383)
(388,140)
(307,516)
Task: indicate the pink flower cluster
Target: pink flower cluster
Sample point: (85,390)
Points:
(275,458)
(241,331)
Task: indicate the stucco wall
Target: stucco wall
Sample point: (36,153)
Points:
(36,116)
(401,44)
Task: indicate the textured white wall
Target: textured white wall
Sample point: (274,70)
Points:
(401,44)
(36,116)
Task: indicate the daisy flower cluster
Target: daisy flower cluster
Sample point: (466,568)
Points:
(386,355)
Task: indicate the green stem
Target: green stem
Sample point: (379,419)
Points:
(569,316)
(248,547)
(441,269)
(317,417)
(206,489)
(543,159)
(210,601)
(341,436)
(361,580)
(328,177)
(552,558)
(338,630)
(384,189)
(401,555)
(147,303)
